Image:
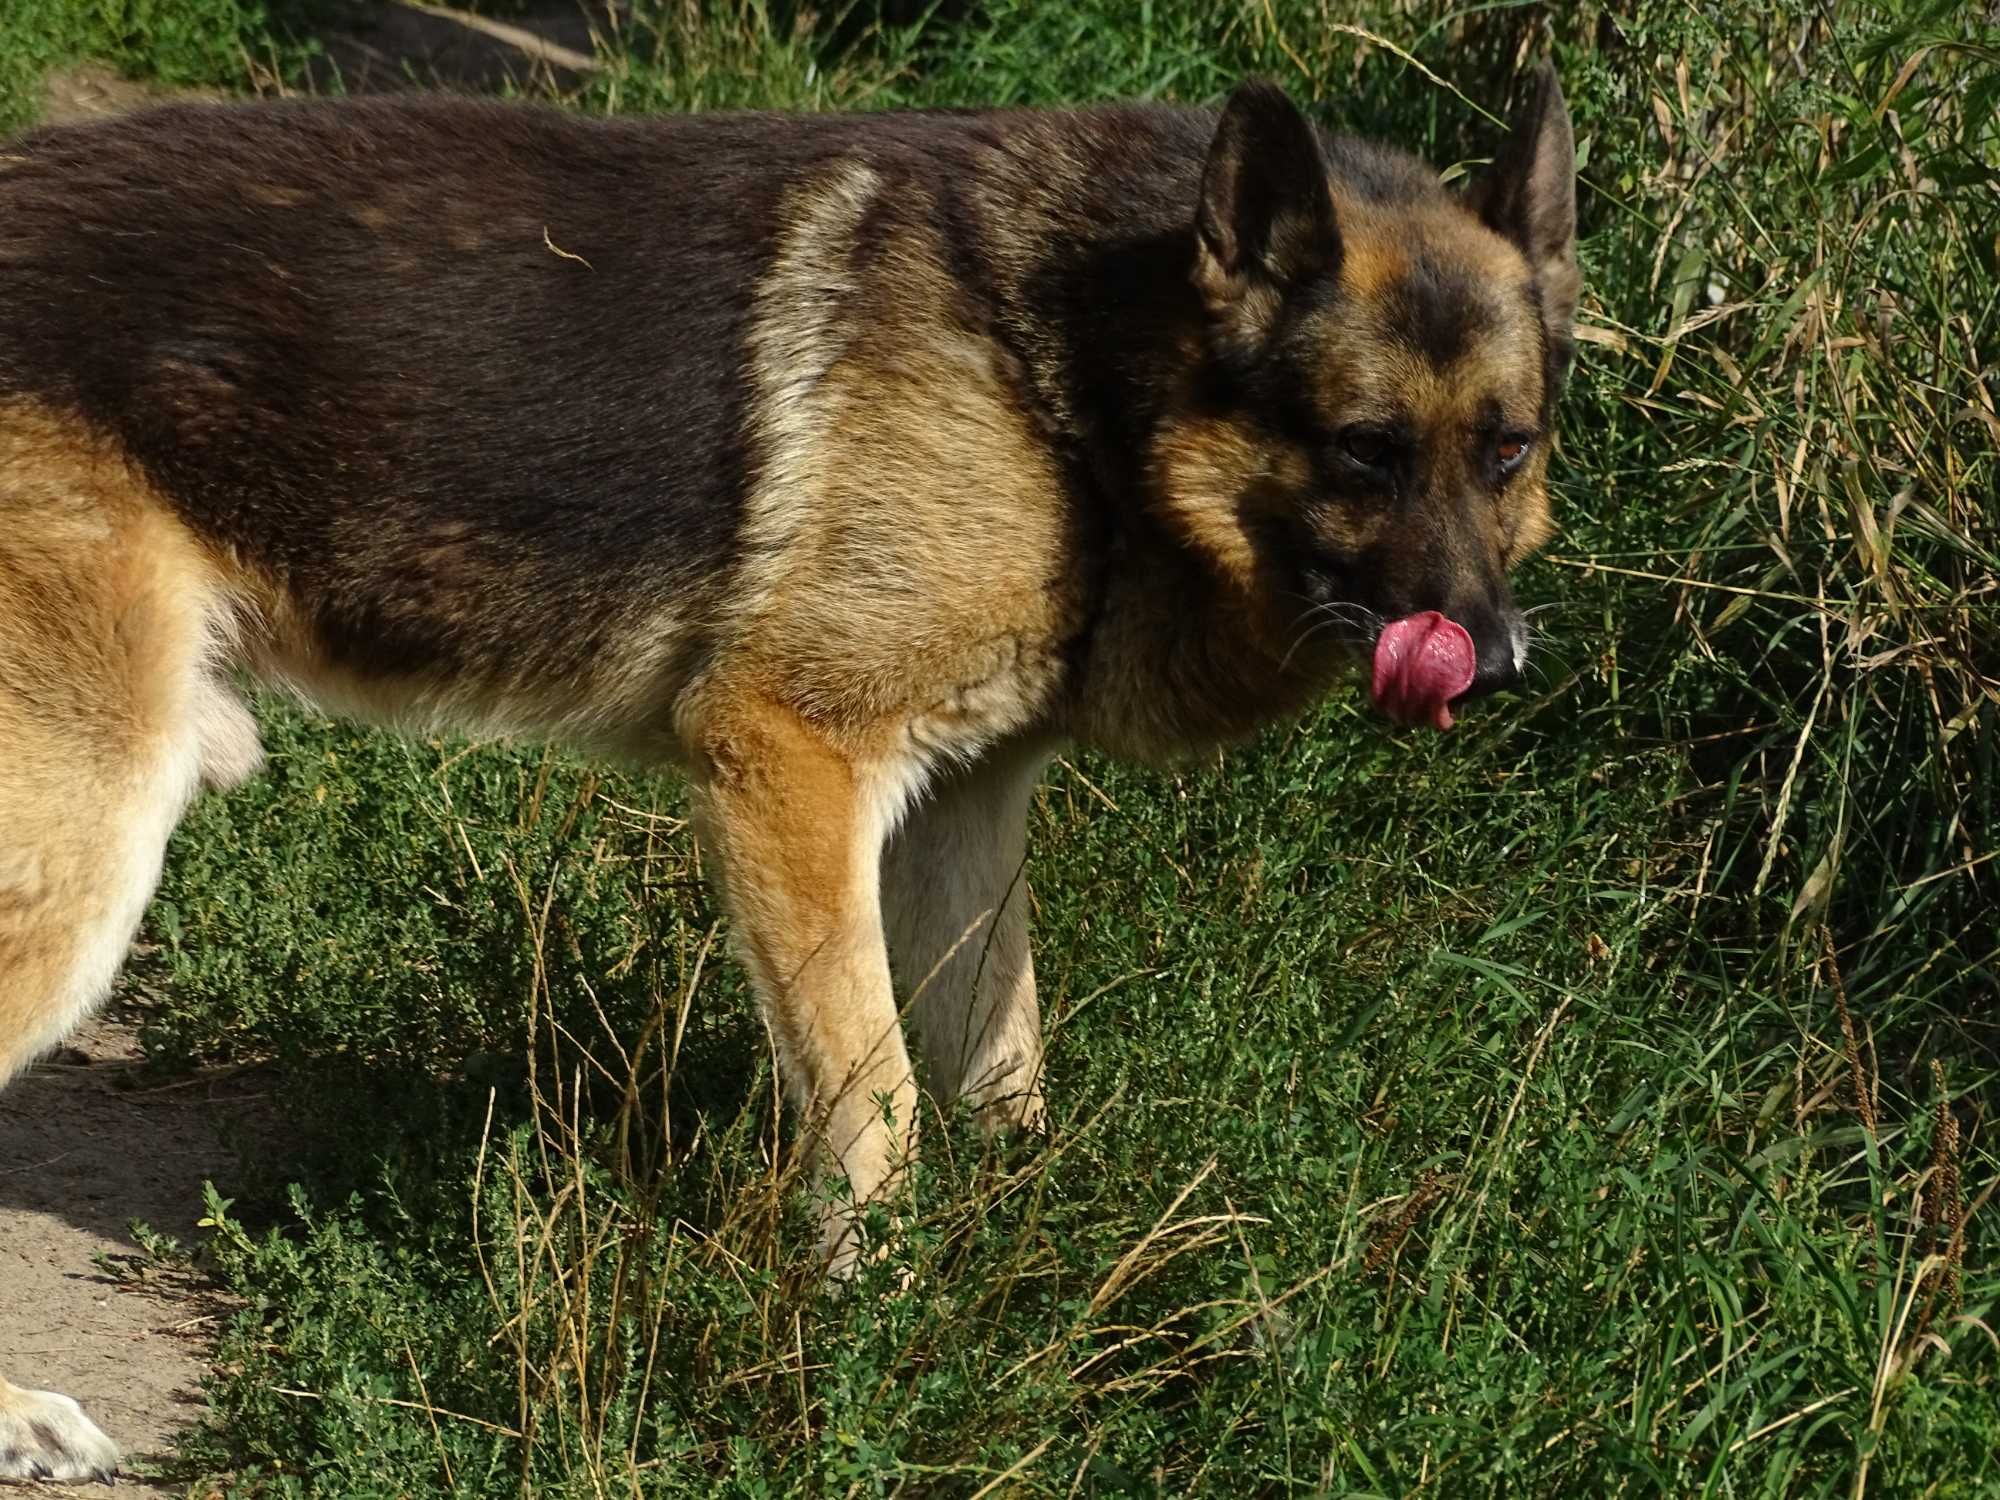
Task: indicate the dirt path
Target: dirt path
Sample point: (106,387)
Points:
(85,1149)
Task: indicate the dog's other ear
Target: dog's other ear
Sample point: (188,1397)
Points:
(1529,196)
(1265,223)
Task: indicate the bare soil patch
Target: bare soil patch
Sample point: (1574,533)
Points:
(87,1145)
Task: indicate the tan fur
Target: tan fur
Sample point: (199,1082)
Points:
(617,701)
(867,642)
(856,604)
(797,821)
(955,900)
(1378,249)
(1374,252)
(110,714)
(1211,472)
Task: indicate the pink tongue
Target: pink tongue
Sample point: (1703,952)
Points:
(1422,662)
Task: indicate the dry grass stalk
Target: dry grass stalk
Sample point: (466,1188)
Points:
(1943,1206)
(1864,1102)
(1389,1237)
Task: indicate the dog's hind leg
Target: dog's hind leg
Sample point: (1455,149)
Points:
(109,719)
(955,904)
(45,1435)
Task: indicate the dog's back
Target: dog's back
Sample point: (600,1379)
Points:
(389,356)
(474,401)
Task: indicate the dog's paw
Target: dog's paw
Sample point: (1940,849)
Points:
(839,1253)
(44,1435)
(843,1251)
(1023,1112)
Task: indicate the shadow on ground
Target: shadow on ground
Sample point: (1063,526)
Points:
(541,47)
(87,1145)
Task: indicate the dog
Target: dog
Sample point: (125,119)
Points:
(854,464)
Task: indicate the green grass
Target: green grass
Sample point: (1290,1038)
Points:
(1467,1115)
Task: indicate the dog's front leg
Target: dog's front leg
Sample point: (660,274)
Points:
(955,894)
(798,822)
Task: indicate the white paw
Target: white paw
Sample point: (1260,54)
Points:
(841,1250)
(44,1435)
(1020,1111)
(839,1242)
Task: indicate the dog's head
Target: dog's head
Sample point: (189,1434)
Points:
(1364,447)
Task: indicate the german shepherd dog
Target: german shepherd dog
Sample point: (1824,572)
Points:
(854,464)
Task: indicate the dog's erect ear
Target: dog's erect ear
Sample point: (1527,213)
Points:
(1529,195)
(1265,222)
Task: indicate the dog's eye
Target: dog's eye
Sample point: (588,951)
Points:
(1510,453)
(1368,448)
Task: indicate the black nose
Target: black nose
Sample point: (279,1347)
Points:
(1496,639)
